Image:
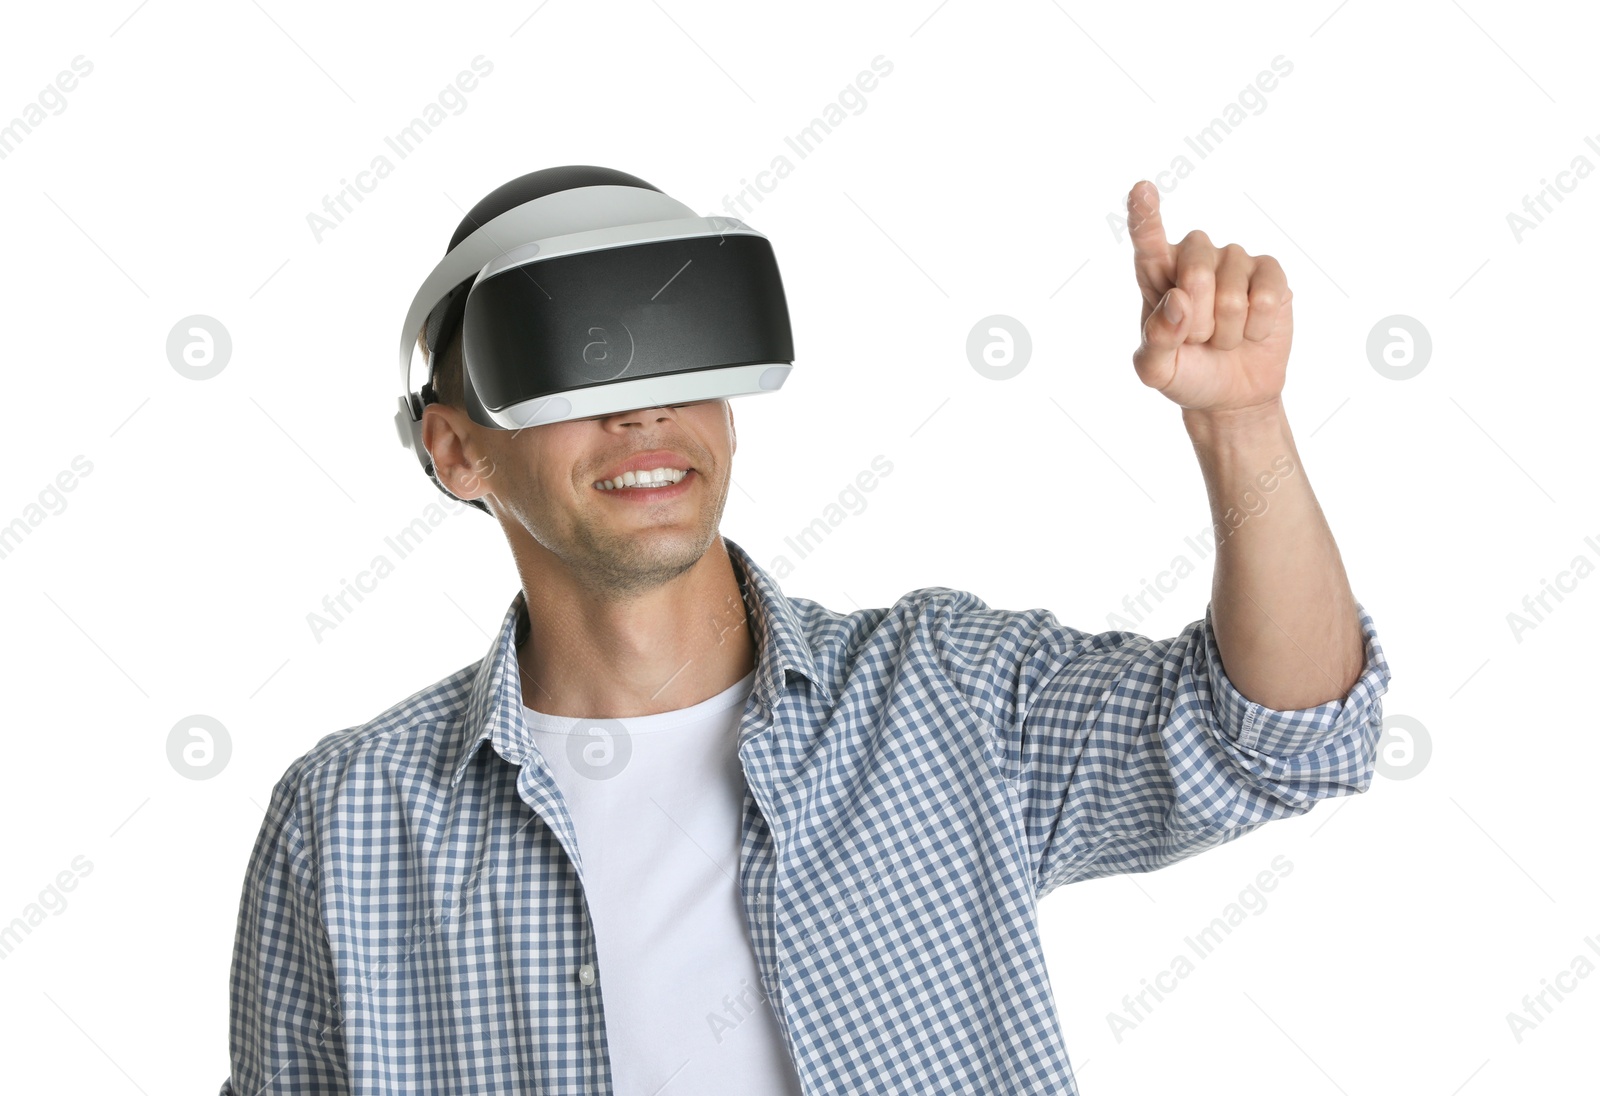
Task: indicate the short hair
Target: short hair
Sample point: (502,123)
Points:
(446,386)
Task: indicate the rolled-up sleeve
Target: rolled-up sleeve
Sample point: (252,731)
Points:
(1128,754)
(284,1025)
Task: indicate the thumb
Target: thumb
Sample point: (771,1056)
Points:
(1156,357)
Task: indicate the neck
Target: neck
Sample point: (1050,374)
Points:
(587,655)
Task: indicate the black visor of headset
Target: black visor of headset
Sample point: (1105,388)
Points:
(597,299)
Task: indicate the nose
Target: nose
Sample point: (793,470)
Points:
(638,414)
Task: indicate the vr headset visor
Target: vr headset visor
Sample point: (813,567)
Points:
(593,299)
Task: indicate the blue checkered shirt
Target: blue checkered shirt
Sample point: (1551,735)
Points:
(917,778)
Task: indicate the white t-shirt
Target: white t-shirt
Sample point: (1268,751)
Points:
(657,807)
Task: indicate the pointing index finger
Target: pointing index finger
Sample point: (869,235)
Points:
(1152,255)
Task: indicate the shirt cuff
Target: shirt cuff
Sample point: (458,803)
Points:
(1288,732)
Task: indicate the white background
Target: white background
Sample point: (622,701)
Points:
(977,178)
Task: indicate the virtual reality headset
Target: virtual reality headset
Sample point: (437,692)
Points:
(583,291)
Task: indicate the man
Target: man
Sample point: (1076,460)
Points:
(679,833)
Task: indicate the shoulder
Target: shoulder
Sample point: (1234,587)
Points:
(410,740)
(997,659)
(956,628)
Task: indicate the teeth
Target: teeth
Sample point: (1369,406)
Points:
(652,478)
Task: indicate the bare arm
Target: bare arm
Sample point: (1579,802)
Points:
(1282,608)
(1216,325)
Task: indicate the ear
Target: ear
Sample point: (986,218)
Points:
(445,434)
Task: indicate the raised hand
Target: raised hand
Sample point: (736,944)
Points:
(1215,323)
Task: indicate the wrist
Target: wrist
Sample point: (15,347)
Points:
(1265,419)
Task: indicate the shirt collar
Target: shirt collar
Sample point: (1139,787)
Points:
(494,707)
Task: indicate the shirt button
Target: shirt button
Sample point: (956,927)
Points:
(586,974)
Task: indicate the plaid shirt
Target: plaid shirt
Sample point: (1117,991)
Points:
(918,777)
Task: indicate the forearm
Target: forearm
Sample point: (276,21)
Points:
(1281,606)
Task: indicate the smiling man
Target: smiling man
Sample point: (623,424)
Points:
(678,832)
(611,521)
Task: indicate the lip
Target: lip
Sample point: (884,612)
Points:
(654,458)
(650,494)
